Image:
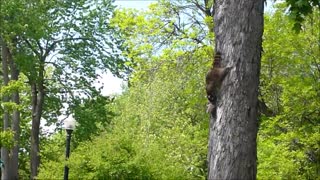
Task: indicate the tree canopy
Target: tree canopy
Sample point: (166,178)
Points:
(158,127)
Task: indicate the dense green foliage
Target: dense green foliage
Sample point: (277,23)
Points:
(300,9)
(289,142)
(59,47)
(158,128)
(6,139)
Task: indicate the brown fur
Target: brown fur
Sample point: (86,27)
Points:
(214,80)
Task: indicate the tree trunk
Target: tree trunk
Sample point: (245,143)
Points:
(5,71)
(15,122)
(37,89)
(34,156)
(232,140)
(10,156)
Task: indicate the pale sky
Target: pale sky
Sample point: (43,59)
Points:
(136,4)
(112,85)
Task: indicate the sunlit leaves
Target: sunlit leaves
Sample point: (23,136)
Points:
(160,127)
(288,142)
(6,139)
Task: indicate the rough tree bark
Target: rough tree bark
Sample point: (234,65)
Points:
(232,140)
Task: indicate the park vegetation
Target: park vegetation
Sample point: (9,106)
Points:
(53,51)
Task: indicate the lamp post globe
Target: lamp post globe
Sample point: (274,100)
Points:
(69,126)
(70,123)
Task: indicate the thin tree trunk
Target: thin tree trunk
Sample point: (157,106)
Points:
(34,156)
(15,123)
(232,142)
(5,70)
(37,89)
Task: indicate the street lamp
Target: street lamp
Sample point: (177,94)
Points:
(69,126)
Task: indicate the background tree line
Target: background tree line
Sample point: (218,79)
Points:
(158,128)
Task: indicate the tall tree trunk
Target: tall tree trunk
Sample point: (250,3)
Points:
(5,71)
(232,142)
(15,122)
(34,156)
(37,89)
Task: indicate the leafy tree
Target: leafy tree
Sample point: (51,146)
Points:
(159,129)
(299,10)
(10,137)
(289,141)
(10,75)
(70,38)
(93,116)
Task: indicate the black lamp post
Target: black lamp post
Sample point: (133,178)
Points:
(69,125)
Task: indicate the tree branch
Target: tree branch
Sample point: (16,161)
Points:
(52,46)
(32,48)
